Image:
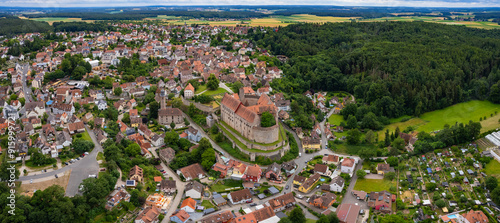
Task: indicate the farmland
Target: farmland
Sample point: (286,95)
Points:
(472,24)
(459,113)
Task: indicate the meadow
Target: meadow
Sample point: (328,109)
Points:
(370,185)
(492,168)
(459,113)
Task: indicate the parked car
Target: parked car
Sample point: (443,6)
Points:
(253,204)
(66,163)
(286,188)
(56,176)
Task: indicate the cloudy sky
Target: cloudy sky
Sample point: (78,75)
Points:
(118,3)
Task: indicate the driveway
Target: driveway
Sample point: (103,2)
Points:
(348,197)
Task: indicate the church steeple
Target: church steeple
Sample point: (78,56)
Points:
(162,98)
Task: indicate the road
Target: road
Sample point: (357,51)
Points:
(79,170)
(223,85)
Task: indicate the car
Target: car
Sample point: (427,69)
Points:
(249,201)
(317,187)
(253,204)
(103,169)
(66,163)
(306,161)
(86,153)
(300,154)
(326,154)
(78,158)
(56,176)
(286,188)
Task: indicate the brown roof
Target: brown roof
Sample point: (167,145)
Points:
(348,162)
(240,195)
(320,168)
(182,215)
(324,200)
(264,213)
(230,102)
(311,180)
(348,213)
(383,167)
(192,171)
(299,179)
(167,184)
(170,112)
(219,217)
(283,200)
(253,171)
(248,218)
(331,158)
(197,186)
(150,214)
(136,170)
(75,126)
(246,114)
(189,202)
(168,154)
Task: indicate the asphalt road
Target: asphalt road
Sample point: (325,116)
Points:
(79,170)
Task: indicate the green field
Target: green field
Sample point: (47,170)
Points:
(493,169)
(370,185)
(461,113)
(335,119)
(200,89)
(86,136)
(214,92)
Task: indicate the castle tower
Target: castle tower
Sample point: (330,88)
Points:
(162,98)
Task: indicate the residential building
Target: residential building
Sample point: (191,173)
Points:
(348,213)
(194,189)
(348,165)
(282,202)
(192,171)
(167,186)
(331,159)
(116,197)
(308,184)
(321,169)
(383,168)
(189,91)
(337,184)
(193,134)
(324,201)
(180,217)
(148,215)
(273,173)
(136,174)
(381,201)
(167,154)
(240,196)
(253,173)
(223,217)
(188,205)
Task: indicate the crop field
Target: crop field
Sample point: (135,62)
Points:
(461,113)
(51,20)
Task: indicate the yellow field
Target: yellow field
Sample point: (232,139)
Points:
(51,20)
(481,25)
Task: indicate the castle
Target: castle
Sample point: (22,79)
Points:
(242,112)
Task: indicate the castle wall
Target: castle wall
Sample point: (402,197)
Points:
(204,108)
(266,135)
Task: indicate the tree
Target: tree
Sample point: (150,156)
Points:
(370,121)
(491,183)
(208,158)
(81,145)
(285,220)
(393,161)
(323,219)
(495,195)
(78,73)
(398,144)
(332,218)
(133,150)
(353,136)
(236,86)
(361,174)
(213,82)
(297,216)
(172,125)
(389,175)
(352,122)
(440,203)
(118,91)
(370,136)
(267,120)
(171,139)
(153,109)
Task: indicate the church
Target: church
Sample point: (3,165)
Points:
(168,115)
(242,112)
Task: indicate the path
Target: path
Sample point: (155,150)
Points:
(223,85)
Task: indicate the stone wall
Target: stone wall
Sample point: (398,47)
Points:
(275,155)
(204,108)
(266,135)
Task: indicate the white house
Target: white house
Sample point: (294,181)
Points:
(239,197)
(348,165)
(337,184)
(194,189)
(193,134)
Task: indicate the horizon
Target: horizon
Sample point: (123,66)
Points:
(249,3)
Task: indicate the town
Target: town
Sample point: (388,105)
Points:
(188,123)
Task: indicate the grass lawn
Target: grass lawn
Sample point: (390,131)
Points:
(222,187)
(370,185)
(461,113)
(86,136)
(345,148)
(335,119)
(493,168)
(201,88)
(214,92)
(310,221)
(100,156)
(207,204)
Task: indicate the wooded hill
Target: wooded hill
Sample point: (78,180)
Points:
(392,68)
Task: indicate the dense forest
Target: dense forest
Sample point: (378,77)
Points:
(392,68)
(141,14)
(14,25)
(80,26)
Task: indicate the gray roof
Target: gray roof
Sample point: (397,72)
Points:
(273,190)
